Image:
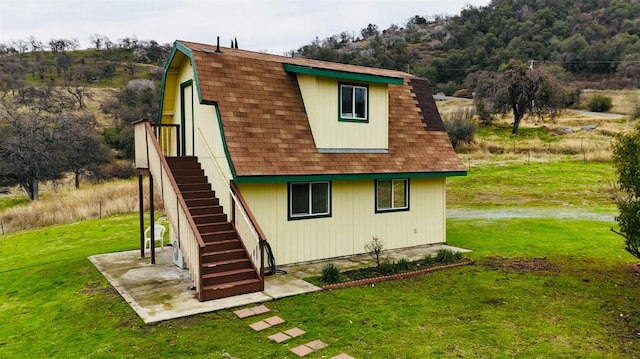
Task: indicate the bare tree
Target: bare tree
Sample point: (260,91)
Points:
(520,89)
(83,148)
(30,138)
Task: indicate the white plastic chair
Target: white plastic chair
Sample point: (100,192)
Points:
(159,236)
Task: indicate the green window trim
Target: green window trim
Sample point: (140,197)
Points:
(307,200)
(392,195)
(359,112)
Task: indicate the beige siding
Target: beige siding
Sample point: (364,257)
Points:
(330,133)
(206,135)
(353,221)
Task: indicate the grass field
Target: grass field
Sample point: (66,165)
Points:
(541,288)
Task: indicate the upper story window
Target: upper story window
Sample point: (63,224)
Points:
(354,102)
(392,195)
(309,199)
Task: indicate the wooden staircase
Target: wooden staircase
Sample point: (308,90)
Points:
(227,269)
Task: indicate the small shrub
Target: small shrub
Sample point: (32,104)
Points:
(330,273)
(460,127)
(403,265)
(428,260)
(387,268)
(374,248)
(600,103)
(457,256)
(635,111)
(445,256)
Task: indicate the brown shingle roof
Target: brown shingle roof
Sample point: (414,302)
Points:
(268,134)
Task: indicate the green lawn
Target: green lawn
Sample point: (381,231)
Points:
(570,183)
(572,294)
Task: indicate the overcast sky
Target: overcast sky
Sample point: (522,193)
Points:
(275,26)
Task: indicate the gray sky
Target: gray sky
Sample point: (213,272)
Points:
(274,26)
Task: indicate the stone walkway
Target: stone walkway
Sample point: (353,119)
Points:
(286,335)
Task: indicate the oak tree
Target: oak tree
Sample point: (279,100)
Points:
(520,89)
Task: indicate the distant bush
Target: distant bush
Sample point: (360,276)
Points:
(600,103)
(447,88)
(114,170)
(460,126)
(330,273)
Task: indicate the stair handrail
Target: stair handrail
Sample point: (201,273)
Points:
(174,184)
(237,197)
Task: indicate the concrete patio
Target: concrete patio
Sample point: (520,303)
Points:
(163,291)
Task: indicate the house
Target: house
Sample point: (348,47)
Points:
(314,158)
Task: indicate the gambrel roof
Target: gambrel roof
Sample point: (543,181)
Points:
(267,133)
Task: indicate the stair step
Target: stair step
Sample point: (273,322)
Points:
(184,165)
(209,218)
(189,187)
(228,276)
(197,194)
(202,202)
(215,227)
(225,255)
(190,172)
(190,180)
(182,159)
(204,210)
(227,266)
(231,289)
(212,219)
(222,245)
(223,235)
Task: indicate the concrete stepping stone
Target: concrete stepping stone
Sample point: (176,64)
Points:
(267,323)
(301,350)
(304,349)
(279,337)
(294,332)
(288,334)
(249,312)
(343,356)
(275,320)
(316,344)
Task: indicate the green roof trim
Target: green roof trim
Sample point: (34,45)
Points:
(345,177)
(224,141)
(178,47)
(343,75)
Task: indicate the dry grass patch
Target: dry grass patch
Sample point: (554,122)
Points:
(72,205)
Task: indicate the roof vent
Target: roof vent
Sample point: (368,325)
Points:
(218,46)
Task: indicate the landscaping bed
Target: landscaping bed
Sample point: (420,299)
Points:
(332,277)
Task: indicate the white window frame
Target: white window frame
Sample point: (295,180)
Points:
(352,116)
(309,214)
(393,207)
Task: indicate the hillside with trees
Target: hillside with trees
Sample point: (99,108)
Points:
(597,41)
(68,111)
(50,108)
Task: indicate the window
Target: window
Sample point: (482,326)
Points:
(392,195)
(353,102)
(309,199)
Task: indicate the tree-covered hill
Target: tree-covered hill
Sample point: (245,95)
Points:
(590,38)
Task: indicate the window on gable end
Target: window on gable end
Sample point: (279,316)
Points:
(354,102)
